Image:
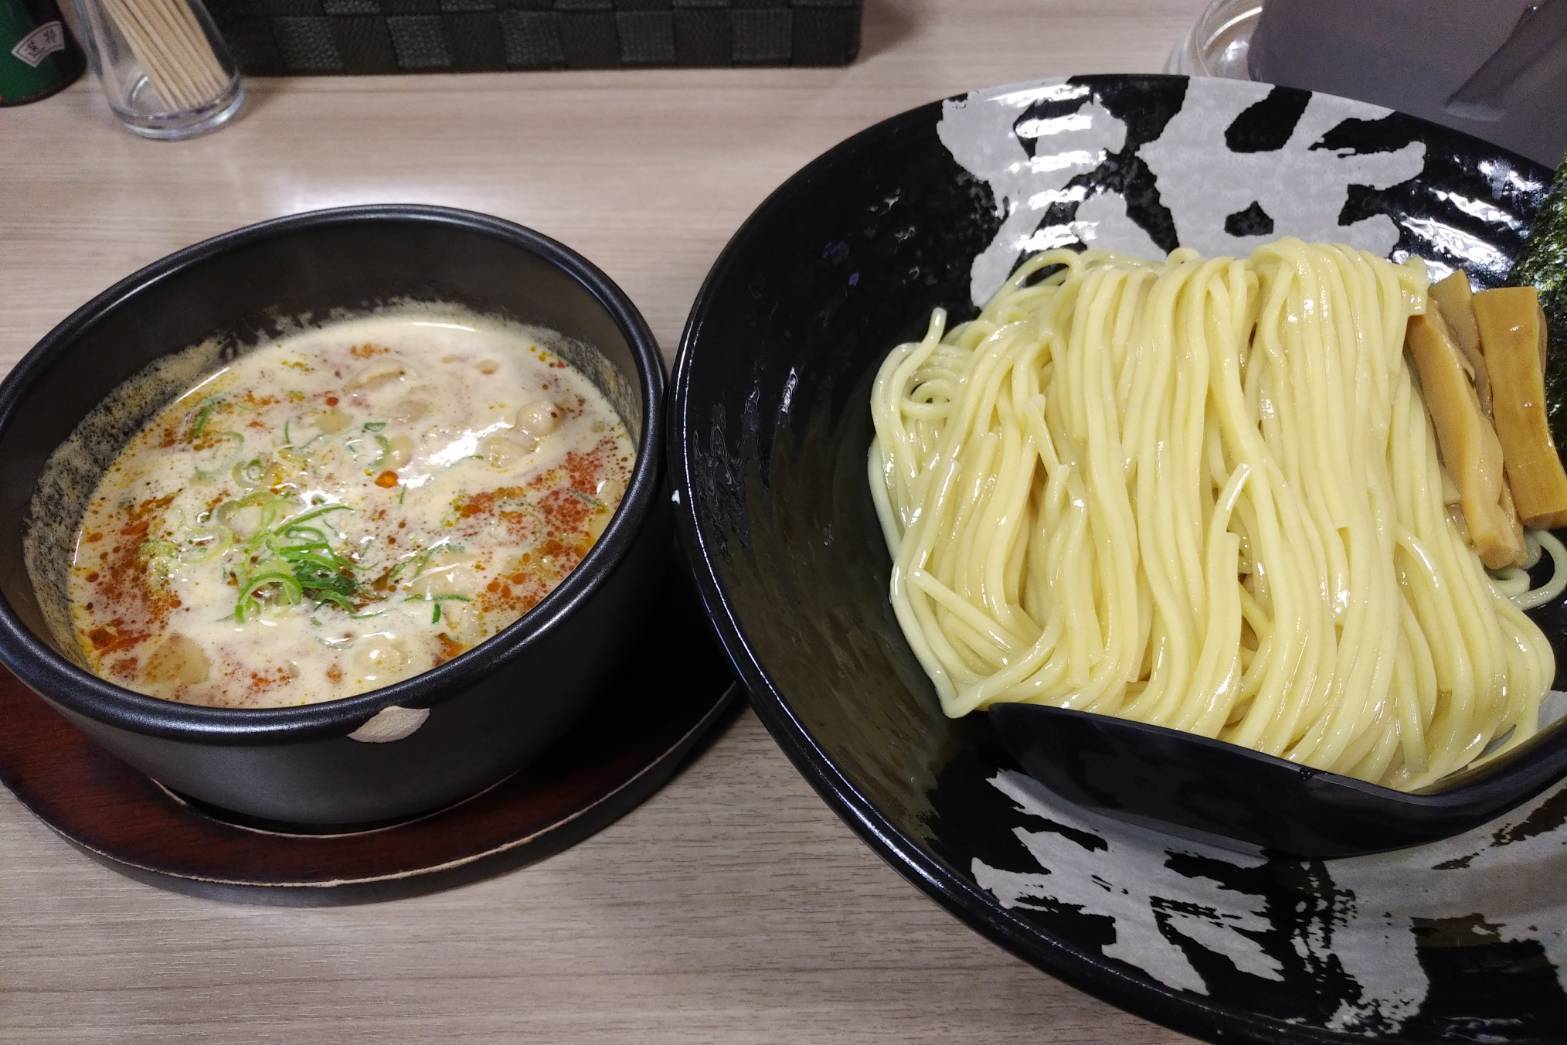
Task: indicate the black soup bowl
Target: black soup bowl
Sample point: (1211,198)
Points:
(418,744)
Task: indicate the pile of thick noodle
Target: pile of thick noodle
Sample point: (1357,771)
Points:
(1200,493)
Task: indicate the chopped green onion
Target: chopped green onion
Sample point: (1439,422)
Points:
(289,559)
(316,513)
(249,605)
(337,599)
(386,451)
(435,616)
(248,473)
(288,437)
(374,426)
(203,414)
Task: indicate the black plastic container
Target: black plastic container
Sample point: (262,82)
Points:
(491,709)
(307,38)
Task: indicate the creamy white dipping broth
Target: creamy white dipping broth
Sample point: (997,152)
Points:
(344,508)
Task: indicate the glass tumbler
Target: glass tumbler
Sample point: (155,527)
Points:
(164,69)
(1219,41)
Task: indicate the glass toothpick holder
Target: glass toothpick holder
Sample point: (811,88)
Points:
(164,69)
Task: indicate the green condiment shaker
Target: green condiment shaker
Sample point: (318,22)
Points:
(38,55)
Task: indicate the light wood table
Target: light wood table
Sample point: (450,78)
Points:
(733,906)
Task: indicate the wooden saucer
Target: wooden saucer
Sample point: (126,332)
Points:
(631,744)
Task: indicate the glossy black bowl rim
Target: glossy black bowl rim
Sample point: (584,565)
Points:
(1088,971)
(46,671)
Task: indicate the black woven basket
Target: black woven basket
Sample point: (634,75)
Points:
(299,37)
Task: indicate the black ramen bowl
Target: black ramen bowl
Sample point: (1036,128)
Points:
(1463,939)
(468,722)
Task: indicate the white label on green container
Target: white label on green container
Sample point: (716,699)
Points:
(40,43)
